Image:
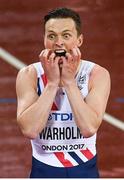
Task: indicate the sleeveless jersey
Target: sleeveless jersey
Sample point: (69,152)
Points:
(60,143)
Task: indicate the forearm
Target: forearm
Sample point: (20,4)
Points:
(85,117)
(34,118)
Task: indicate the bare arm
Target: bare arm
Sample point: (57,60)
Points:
(88,112)
(33,110)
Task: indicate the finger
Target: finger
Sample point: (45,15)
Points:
(41,54)
(75,53)
(52,57)
(65,61)
(62,60)
(56,60)
(79,53)
(69,57)
(46,55)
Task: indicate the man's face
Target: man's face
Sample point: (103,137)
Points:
(61,34)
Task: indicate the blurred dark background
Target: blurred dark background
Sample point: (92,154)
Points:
(21,33)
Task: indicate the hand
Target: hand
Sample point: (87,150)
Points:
(50,66)
(70,66)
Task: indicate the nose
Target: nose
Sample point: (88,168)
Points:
(59,42)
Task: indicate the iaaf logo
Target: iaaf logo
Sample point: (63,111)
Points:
(81,80)
(60,116)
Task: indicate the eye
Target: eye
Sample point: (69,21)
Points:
(51,36)
(66,35)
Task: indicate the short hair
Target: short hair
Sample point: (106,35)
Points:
(63,12)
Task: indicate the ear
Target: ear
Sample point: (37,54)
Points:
(80,40)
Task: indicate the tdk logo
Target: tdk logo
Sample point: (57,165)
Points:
(60,116)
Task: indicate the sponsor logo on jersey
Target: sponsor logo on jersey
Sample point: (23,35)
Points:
(81,81)
(57,116)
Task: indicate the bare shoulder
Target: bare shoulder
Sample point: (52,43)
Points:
(100,72)
(27,71)
(26,76)
(26,88)
(99,75)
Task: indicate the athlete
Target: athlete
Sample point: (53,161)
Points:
(61,102)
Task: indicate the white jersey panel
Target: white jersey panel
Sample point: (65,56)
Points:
(60,142)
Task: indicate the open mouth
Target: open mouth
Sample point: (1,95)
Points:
(60,52)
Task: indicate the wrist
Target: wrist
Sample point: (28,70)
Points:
(52,85)
(68,84)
